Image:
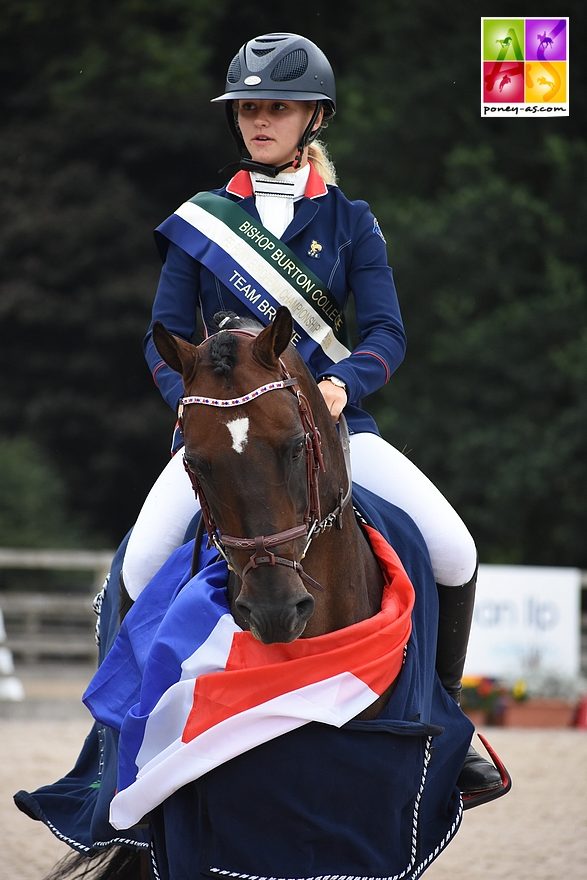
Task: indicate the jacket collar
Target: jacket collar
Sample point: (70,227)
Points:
(240,185)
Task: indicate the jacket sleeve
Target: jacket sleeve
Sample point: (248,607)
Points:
(382,340)
(175,306)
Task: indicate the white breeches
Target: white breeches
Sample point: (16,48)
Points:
(379,467)
(161,525)
(384,470)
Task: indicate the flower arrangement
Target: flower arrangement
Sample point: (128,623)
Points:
(537,700)
(487,695)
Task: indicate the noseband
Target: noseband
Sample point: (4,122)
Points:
(313,525)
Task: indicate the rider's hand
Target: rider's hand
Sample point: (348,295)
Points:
(335,397)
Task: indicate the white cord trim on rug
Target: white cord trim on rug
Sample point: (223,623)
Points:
(411,871)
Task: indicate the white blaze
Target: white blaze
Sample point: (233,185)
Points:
(239,429)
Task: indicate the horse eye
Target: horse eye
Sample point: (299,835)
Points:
(193,464)
(298,448)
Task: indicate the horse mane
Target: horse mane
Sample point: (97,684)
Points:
(231,321)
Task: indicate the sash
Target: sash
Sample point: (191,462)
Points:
(259,269)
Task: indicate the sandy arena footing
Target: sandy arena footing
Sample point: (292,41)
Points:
(537,832)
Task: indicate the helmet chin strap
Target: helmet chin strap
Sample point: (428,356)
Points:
(248,164)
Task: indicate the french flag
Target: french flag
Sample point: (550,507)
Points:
(189,690)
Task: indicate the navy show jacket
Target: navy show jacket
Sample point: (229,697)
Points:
(351,258)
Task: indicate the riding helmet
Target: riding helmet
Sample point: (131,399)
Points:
(279,66)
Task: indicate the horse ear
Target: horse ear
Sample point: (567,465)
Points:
(178,354)
(274,339)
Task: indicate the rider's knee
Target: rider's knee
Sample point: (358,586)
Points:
(454,557)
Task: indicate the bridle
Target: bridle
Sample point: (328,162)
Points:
(313,525)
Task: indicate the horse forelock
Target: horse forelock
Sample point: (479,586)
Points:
(223,353)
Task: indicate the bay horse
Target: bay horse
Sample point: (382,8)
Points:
(274,483)
(273,479)
(266,469)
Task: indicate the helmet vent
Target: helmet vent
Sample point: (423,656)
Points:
(260,52)
(291,66)
(234,71)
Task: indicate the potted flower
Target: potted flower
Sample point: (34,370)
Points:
(481,697)
(540,700)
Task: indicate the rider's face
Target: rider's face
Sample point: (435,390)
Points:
(272,130)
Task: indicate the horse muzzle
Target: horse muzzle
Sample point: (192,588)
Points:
(273,600)
(275,619)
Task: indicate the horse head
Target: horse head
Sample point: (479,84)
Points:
(254,450)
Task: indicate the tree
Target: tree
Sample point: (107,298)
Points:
(109,128)
(94,143)
(500,334)
(32,494)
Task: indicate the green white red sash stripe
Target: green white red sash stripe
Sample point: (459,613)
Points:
(259,269)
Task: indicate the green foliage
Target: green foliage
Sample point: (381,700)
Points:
(98,152)
(108,128)
(32,499)
(493,411)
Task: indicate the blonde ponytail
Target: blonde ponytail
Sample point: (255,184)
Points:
(318,156)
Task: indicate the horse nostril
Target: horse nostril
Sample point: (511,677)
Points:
(244,608)
(305,607)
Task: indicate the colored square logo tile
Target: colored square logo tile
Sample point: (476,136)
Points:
(503,39)
(546,39)
(546,81)
(503,82)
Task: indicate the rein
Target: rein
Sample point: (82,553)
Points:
(313,524)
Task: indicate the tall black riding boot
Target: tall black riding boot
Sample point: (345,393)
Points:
(454,625)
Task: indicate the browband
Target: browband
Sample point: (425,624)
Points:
(236,401)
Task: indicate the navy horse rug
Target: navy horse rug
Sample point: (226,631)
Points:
(227,757)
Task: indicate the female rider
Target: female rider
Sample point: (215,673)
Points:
(280,92)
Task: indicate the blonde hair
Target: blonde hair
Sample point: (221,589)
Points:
(318,156)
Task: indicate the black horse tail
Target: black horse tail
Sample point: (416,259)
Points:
(118,863)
